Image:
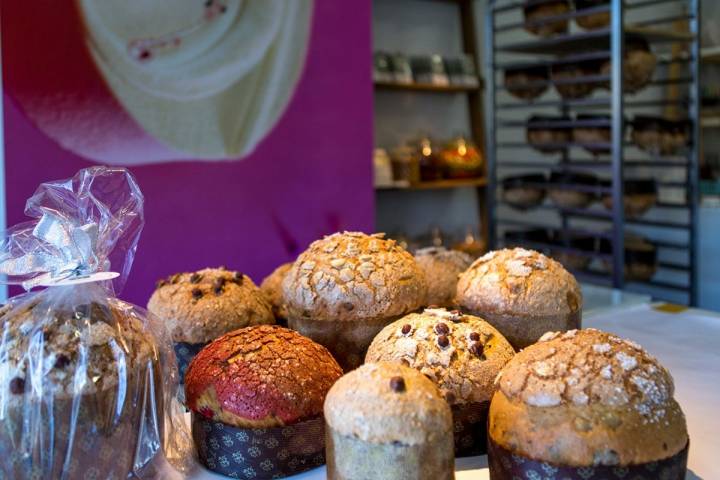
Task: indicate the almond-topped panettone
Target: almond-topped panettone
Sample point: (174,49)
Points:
(388,421)
(346,287)
(259,377)
(588,399)
(442,268)
(522,293)
(462,354)
(200,306)
(96,360)
(271,286)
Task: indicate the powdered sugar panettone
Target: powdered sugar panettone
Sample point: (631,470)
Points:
(601,400)
(442,268)
(350,276)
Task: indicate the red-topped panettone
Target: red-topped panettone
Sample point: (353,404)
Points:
(264,383)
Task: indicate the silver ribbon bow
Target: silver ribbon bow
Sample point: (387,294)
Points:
(57,249)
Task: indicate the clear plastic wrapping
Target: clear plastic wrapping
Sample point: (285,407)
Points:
(87,382)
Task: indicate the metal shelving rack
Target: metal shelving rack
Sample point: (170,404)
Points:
(604,43)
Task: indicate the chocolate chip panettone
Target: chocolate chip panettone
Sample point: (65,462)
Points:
(442,268)
(201,306)
(462,354)
(346,287)
(386,421)
(253,383)
(522,293)
(271,287)
(84,378)
(587,400)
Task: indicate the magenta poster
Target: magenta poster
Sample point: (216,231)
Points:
(248,123)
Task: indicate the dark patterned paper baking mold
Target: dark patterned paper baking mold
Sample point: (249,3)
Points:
(259,453)
(185,352)
(504,465)
(470,429)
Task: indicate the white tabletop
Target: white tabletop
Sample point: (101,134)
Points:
(687,343)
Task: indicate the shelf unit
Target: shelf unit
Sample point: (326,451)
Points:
(622,160)
(466,10)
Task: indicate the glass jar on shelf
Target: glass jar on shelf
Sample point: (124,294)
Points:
(462,159)
(432,168)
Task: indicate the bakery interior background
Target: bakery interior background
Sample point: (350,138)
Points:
(312,117)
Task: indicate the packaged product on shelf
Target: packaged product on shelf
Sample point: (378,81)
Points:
(430,162)
(382,168)
(382,68)
(429,69)
(402,72)
(405,165)
(87,381)
(462,158)
(461,71)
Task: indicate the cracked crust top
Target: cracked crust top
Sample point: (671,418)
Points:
(108,339)
(353,276)
(271,287)
(462,354)
(598,397)
(199,307)
(442,268)
(518,282)
(388,402)
(260,377)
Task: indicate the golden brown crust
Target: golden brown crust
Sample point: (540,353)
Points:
(442,268)
(199,307)
(518,282)
(271,287)
(387,402)
(259,377)
(587,397)
(464,368)
(353,276)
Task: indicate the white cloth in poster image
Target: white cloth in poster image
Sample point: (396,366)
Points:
(208,78)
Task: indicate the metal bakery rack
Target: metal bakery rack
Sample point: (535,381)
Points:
(671,28)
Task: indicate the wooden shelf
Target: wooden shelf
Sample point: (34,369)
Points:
(426,87)
(441,184)
(710,54)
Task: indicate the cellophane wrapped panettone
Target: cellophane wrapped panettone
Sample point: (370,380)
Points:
(87,381)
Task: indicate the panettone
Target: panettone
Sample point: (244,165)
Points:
(386,421)
(586,399)
(271,286)
(199,307)
(259,377)
(462,354)
(96,360)
(347,286)
(522,293)
(442,268)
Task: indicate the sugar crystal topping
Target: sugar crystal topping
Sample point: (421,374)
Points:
(588,367)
